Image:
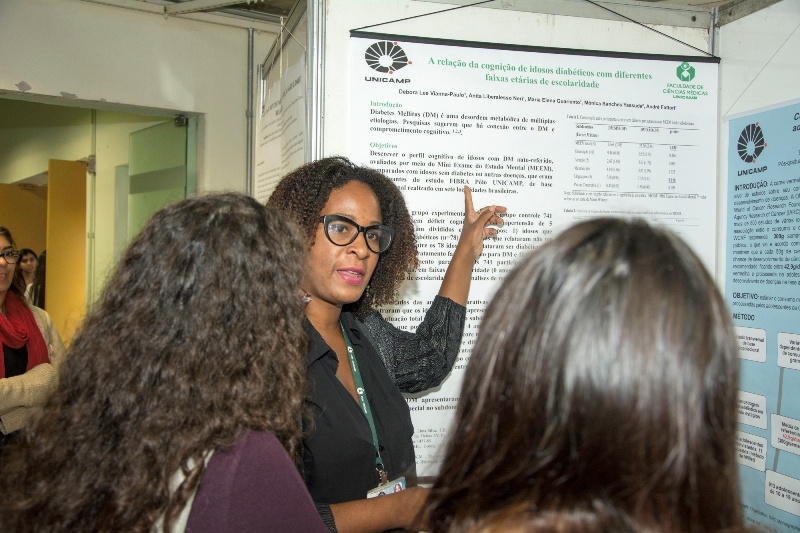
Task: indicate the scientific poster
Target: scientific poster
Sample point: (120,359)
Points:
(554,135)
(763,290)
(281,127)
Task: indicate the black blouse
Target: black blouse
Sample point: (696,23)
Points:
(15,360)
(338,453)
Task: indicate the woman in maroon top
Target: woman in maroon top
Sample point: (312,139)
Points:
(180,397)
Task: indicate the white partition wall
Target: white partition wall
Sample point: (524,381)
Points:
(759,228)
(75,51)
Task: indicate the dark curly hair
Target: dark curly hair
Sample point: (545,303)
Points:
(175,360)
(302,193)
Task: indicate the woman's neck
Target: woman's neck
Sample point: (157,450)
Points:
(323,316)
(28,277)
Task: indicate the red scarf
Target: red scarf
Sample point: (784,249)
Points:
(18,328)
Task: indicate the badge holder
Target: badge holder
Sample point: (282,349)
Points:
(396,485)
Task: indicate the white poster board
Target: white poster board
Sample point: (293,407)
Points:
(281,128)
(281,131)
(763,290)
(555,135)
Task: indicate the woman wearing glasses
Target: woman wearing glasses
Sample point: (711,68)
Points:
(31,346)
(361,248)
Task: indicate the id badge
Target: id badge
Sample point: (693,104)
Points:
(395,485)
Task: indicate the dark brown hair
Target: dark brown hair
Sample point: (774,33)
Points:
(27,251)
(17,281)
(303,193)
(175,360)
(39,281)
(600,396)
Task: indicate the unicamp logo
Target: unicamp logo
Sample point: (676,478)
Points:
(386,57)
(749,146)
(751,143)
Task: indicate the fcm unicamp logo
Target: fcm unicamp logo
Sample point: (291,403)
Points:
(386,57)
(685,72)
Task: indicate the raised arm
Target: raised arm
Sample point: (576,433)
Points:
(478,225)
(421,359)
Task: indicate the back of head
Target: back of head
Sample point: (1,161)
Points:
(601,390)
(197,336)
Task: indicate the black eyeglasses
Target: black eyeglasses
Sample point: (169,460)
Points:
(11,256)
(341,231)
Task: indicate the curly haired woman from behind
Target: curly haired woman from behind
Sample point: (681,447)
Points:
(181,394)
(601,395)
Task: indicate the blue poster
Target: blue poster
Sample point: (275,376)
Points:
(762,287)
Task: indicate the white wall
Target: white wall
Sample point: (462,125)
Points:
(760,67)
(70,49)
(32,133)
(474,24)
(112,148)
(760,59)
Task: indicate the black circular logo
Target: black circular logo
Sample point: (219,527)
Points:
(751,143)
(386,57)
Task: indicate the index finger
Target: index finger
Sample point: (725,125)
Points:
(468,207)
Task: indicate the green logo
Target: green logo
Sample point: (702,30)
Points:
(685,72)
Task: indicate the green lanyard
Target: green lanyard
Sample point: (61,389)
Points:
(364,403)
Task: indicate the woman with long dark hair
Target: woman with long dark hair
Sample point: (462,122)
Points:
(31,346)
(181,395)
(600,396)
(35,292)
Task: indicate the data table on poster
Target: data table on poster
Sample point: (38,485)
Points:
(651,162)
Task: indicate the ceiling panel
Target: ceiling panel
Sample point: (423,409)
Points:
(684,10)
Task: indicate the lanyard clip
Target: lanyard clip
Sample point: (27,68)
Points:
(382,476)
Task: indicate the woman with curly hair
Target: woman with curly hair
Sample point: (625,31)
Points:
(182,392)
(601,395)
(30,346)
(361,247)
